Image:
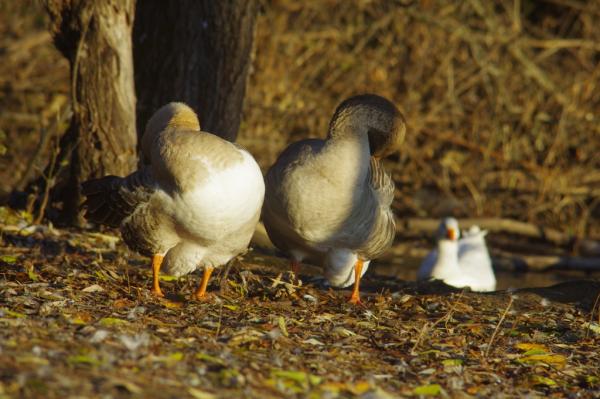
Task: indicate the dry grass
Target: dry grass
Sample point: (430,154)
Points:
(502,105)
(502,97)
(33,93)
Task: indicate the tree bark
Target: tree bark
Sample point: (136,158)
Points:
(194,51)
(96,38)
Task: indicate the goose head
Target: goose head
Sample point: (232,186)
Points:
(448,230)
(475,231)
(374,116)
(173,115)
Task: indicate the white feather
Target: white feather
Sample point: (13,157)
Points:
(216,209)
(461,263)
(229,198)
(339,267)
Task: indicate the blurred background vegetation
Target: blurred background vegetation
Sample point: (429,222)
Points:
(501,97)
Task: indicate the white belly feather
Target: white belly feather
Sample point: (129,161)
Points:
(228,199)
(216,219)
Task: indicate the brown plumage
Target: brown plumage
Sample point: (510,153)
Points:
(110,199)
(195,200)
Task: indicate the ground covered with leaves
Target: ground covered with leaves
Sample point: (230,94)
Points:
(77,319)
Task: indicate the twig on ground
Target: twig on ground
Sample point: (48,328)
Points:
(424,329)
(223,281)
(493,337)
(49,183)
(218,330)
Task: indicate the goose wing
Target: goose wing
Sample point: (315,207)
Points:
(110,199)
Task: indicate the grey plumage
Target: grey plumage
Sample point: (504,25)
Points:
(326,196)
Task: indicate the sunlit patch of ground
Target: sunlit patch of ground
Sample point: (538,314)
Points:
(77,318)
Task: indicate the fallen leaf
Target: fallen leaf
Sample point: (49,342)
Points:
(208,358)
(99,336)
(592,380)
(377,393)
(111,240)
(33,276)
(545,358)
(122,303)
(343,332)
(594,327)
(132,343)
(246,335)
(13,314)
(129,386)
(430,352)
(534,352)
(101,275)
(473,389)
(198,394)
(83,359)
(359,387)
(309,298)
(79,318)
(428,371)
(452,362)
(172,304)
(30,359)
(333,387)
(282,326)
(169,359)
(541,380)
(312,341)
(300,377)
(428,390)
(93,288)
(528,346)
(231,378)
(176,356)
(111,321)
(8,258)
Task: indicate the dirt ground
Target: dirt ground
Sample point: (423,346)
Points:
(503,112)
(77,320)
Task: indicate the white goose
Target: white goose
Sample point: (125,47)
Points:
(458,262)
(194,202)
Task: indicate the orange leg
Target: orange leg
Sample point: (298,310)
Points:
(156,262)
(295,266)
(201,291)
(355,297)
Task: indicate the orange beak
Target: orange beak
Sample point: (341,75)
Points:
(451,234)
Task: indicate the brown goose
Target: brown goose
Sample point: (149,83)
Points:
(329,200)
(194,203)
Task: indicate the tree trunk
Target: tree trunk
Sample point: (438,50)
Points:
(96,38)
(197,52)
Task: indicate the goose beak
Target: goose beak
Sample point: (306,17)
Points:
(451,234)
